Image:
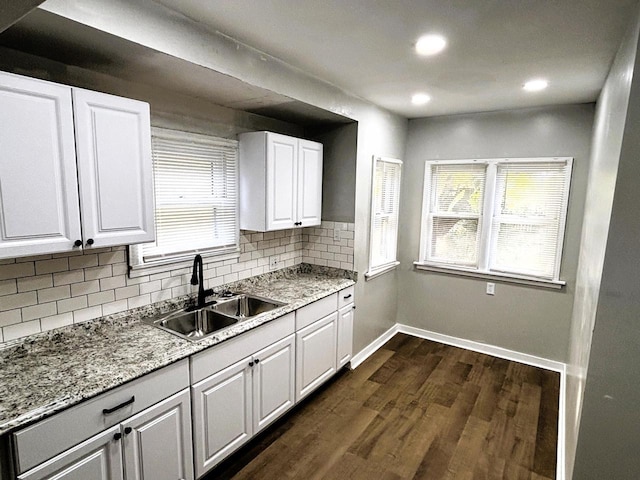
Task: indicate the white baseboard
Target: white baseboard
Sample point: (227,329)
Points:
(494,351)
(370,349)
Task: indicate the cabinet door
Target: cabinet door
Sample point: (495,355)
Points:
(157,441)
(115,171)
(273,382)
(345,335)
(222,408)
(99,458)
(309,183)
(315,355)
(282,181)
(39,211)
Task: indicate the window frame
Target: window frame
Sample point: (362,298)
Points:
(376,270)
(485,224)
(138,267)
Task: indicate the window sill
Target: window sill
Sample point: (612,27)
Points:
(503,277)
(376,272)
(175,263)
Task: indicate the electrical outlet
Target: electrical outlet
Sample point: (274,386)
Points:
(491,288)
(336,234)
(274,262)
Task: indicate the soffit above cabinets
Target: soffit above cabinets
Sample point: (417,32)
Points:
(46,35)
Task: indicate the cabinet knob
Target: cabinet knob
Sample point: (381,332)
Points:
(128,430)
(347,296)
(257,361)
(298,223)
(90,241)
(117,436)
(77,243)
(251,363)
(354,307)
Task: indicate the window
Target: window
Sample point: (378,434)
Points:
(502,217)
(196,199)
(385,203)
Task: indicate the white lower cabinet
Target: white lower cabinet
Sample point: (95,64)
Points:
(345,335)
(99,458)
(315,354)
(155,444)
(237,401)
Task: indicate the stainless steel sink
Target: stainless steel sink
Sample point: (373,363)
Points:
(194,325)
(245,306)
(199,324)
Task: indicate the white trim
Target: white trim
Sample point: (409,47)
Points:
(494,351)
(376,272)
(485,348)
(504,277)
(175,263)
(370,349)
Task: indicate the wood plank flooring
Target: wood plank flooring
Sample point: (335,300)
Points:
(415,409)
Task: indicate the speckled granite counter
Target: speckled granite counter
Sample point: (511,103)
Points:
(48,372)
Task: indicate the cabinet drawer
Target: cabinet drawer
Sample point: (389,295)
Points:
(316,310)
(221,356)
(47,438)
(346,296)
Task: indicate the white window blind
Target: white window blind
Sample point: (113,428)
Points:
(196,197)
(385,205)
(496,216)
(455,213)
(529,213)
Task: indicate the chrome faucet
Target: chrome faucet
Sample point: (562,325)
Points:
(197,279)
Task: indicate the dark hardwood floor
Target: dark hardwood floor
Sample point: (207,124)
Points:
(415,409)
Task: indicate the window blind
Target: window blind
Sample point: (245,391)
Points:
(457,195)
(385,210)
(196,196)
(529,212)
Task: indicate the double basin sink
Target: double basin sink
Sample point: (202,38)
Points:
(196,324)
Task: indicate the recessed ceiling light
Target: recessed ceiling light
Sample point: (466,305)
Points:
(430,44)
(420,99)
(535,85)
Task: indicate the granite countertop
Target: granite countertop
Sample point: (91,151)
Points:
(48,372)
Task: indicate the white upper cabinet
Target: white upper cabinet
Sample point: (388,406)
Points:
(280,182)
(44,164)
(38,182)
(113,138)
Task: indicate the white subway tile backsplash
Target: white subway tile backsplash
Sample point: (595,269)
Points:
(95,273)
(17,270)
(7,287)
(53,294)
(115,307)
(101,297)
(110,283)
(52,266)
(56,321)
(21,330)
(71,304)
(66,278)
(87,314)
(84,288)
(49,291)
(39,311)
(19,300)
(111,258)
(84,261)
(10,317)
(127,292)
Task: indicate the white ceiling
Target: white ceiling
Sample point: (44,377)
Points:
(366,46)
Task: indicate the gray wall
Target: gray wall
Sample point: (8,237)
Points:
(379,132)
(609,432)
(609,127)
(339,172)
(521,318)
